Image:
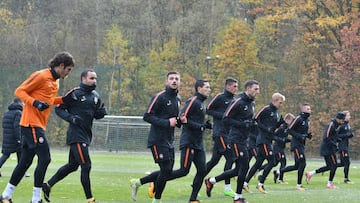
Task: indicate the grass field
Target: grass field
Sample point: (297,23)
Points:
(111,173)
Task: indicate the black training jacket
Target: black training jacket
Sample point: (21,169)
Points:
(329,142)
(239,117)
(281,137)
(192,132)
(267,119)
(85,103)
(216,108)
(298,129)
(344,134)
(163,105)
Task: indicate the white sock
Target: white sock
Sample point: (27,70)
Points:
(298,185)
(329,182)
(246,184)
(9,190)
(227,187)
(312,173)
(237,196)
(212,180)
(36,195)
(260,184)
(277,171)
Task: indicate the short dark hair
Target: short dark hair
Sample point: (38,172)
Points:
(250,83)
(230,81)
(172,72)
(199,83)
(62,58)
(85,73)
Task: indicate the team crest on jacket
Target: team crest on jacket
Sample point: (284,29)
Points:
(83,98)
(169,103)
(246,108)
(241,153)
(161,156)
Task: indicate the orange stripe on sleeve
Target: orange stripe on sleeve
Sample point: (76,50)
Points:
(328,130)
(212,101)
(294,121)
(189,106)
(81,153)
(153,102)
(261,110)
(232,106)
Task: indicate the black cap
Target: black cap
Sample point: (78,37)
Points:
(340,115)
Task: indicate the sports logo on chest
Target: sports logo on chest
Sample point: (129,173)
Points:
(202,108)
(246,108)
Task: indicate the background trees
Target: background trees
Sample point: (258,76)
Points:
(306,49)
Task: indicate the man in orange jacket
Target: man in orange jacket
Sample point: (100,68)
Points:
(38,92)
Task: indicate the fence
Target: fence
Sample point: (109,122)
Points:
(122,133)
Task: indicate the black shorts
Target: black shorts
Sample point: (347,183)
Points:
(33,137)
(161,154)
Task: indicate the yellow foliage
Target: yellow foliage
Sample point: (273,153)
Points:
(114,49)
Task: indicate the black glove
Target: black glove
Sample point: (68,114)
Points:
(208,125)
(270,130)
(77,120)
(303,136)
(40,105)
(248,123)
(309,136)
(100,112)
(281,120)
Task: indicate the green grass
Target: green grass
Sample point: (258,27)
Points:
(111,173)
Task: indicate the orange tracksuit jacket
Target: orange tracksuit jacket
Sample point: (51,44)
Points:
(41,86)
